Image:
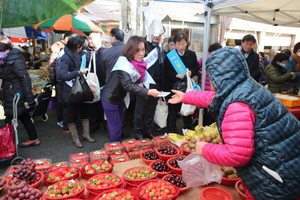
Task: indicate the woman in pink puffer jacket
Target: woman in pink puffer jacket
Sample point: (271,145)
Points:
(261,137)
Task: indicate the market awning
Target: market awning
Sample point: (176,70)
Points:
(29,12)
(24,32)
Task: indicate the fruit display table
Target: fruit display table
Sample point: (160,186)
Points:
(190,194)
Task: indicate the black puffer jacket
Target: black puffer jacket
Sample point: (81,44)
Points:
(69,65)
(119,83)
(15,80)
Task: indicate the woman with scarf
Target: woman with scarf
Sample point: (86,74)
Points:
(16,80)
(260,136)
(276,73)
(142,115)
(293,64)
(123,79)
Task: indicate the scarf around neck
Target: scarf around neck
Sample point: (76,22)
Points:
(297,58)
(140,67)
(3,56)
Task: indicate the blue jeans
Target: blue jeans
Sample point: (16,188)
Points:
(114,118)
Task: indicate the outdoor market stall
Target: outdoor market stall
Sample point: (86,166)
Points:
(119,159)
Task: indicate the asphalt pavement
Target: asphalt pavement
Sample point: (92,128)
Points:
(58,146)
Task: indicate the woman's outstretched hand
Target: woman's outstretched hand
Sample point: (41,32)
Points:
(177,97)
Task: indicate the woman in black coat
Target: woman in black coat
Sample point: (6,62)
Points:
(189,59)
(16,80)
(69,69)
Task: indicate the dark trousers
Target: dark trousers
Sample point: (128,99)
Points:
(172,117)
(61,106)
(25,118)
(143,116)
(96,115)
(75,109)
(114,117)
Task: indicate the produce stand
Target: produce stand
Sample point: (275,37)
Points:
(190,194)
(39,79)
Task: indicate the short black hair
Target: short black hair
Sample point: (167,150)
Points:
(249,37)
(68,33)
(75,41)
(214,47)
(296,47)
(117,33)
(171,39)
(279,57)
(286,51)
(180,36)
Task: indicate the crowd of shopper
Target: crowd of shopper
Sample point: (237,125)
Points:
(256,128)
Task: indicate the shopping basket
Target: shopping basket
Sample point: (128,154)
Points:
(9,137)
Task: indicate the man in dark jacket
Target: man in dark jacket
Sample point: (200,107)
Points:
(96,109)
(110,57)
(112,54)
(251,56)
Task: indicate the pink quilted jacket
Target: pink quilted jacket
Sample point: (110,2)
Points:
(237,131)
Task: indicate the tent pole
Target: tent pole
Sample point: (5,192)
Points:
(1,13)
(209,5)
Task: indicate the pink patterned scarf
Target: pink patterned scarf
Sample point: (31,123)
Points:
(140,67)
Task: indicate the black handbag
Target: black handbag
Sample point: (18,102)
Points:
(180,85)
(80,91)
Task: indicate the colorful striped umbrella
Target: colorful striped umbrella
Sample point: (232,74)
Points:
(68,22)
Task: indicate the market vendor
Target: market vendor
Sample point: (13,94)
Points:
(261,137)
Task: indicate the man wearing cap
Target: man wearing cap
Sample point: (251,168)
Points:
(146,106)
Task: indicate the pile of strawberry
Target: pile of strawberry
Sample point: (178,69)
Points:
(117,195)
(62,173)
(104,181)
(64,188)
(157,190)
(139,173)
(97,167)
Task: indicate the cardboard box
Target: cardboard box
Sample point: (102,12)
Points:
(288,102)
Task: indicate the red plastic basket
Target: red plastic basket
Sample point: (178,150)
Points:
(7,144)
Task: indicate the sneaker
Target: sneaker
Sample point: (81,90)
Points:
(67,132)
(61,124)
(31,143)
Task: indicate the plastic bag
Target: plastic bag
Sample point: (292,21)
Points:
(197,171)
(7,142)
(161,113)
(187,109)
(80,91)
(92,80)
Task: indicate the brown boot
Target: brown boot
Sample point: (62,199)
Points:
(86,130)
(73,130)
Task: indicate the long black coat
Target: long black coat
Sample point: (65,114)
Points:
(189,59)
(69,65)
(15,80)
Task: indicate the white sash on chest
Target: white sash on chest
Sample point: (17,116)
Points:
(151,58)
(124,65)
